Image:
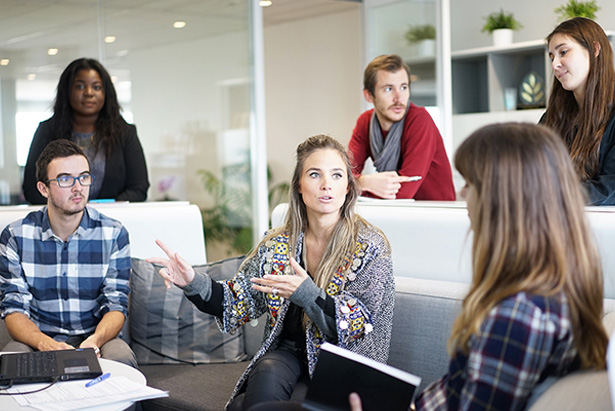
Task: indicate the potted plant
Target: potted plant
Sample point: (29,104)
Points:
(501,25)
(228,222)
(577,9)
(424,36)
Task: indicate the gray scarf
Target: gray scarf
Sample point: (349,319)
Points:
(386,154)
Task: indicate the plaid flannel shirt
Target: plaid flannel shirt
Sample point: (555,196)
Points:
(64,287)
(523,340)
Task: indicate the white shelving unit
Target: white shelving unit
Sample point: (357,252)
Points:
(423,85)
(480,75)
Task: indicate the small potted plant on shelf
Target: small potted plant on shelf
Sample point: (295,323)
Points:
(577,9)
(501,25)
(424,36)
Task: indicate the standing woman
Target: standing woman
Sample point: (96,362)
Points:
(581,105)
(534,307)
(86,111)
(325,275)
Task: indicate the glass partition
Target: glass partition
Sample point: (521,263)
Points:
(406,28)
(177,81)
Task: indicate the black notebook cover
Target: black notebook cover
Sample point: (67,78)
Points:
(340,372)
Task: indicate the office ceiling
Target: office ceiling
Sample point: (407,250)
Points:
(30,27)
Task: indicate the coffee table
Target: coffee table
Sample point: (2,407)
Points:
(115,368)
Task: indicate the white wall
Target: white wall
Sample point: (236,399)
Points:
(187,130)
(313,83)
(314,67)
(538,19)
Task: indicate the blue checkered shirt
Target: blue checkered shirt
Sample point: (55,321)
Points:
(524,339)
(64,287)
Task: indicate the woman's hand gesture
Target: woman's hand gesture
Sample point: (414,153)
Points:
(176,270)
(282,285)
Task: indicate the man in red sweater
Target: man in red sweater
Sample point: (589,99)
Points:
(401,138)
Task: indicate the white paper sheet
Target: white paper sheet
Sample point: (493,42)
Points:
(74,395)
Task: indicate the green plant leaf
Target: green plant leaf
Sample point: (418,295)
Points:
(229,220)
(501,20)
(416,34)
(575,8)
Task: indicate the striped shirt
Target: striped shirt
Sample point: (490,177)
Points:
(524,339)
(64,287)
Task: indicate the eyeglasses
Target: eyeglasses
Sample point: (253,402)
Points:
(69,181)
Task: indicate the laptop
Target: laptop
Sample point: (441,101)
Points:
(339,372)
(43,366)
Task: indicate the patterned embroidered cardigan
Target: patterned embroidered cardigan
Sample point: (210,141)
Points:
(363,304)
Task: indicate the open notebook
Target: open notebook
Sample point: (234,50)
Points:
(41,366)
(340,372)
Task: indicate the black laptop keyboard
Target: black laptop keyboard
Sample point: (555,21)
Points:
(34,364)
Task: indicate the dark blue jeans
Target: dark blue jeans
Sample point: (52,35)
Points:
(273,378)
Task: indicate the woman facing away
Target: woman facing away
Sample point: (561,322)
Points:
(86,111)
(580,107)
(535,303)
(325,275)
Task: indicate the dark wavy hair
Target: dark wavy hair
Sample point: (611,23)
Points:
(110,124)
(582,130)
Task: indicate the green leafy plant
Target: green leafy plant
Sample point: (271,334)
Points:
(229,219)
(501,20)
(419,33)
(577,9)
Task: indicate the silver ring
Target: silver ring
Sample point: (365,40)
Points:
(274,291)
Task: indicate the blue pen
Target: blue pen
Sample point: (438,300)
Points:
(98,379)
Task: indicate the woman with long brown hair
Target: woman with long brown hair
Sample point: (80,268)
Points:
(325,275)
(581,104)
(534,306)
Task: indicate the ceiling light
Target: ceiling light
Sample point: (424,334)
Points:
(52,52)
(114,79)
(109,39)
(179,24)
(4,62)
(265,3)
(31,76)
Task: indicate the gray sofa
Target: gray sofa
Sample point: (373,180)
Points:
(424,312)
(431,269)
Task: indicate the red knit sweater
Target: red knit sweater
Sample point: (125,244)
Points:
(422,154)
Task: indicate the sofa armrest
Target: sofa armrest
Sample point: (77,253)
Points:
(581,390)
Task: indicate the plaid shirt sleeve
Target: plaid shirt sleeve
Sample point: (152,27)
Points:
(506,359)
(15,294)
(115,288)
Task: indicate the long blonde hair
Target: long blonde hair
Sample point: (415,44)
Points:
(530,232)
(344,237)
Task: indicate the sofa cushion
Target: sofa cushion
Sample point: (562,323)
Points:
(424,313)
(205,387)
(166,328)
(581,390)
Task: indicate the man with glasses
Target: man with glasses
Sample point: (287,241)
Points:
(64,269)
